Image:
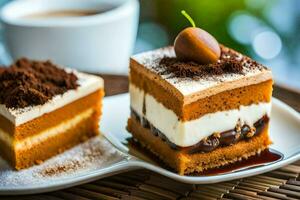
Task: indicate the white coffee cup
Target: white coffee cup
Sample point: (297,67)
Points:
(97,43)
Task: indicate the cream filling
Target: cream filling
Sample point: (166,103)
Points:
(29,142)
(188,133)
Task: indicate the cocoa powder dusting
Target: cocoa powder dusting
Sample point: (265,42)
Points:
(230,62)
(70,166)
(27,83)
(89,155)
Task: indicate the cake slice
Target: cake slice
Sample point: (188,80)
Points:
(45,110)
(196,117)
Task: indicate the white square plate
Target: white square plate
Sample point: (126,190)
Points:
(114,158)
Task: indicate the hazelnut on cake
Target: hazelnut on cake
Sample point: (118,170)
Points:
(45,110)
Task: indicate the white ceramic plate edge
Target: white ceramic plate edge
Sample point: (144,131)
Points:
(131,163)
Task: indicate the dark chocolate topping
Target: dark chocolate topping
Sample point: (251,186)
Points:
(229,62)
(28,83)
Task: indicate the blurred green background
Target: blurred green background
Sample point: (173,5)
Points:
(266,30)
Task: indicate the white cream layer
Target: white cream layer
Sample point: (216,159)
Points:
(43,136)
(191,132)
(87,85)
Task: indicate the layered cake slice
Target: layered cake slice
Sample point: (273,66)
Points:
(45,110)
(199,116)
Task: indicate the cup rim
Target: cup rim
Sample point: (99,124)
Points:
(124,8)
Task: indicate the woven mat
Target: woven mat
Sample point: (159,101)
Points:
(283,183)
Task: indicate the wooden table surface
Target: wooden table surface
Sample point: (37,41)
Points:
(283,183)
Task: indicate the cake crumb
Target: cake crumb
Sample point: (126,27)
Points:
(217,134)
(38,162)
(251,132)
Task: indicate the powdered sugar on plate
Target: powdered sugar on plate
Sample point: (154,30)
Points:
(96,153)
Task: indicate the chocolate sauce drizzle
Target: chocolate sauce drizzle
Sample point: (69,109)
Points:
(212,142)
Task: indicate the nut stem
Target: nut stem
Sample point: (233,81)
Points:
(188,18)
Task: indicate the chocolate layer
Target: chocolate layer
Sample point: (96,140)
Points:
(212,142)
(185,163)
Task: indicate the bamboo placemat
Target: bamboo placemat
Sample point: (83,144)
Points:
(283,183)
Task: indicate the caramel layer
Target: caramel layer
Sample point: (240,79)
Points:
(51,119)
(227,100)
(185,163)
